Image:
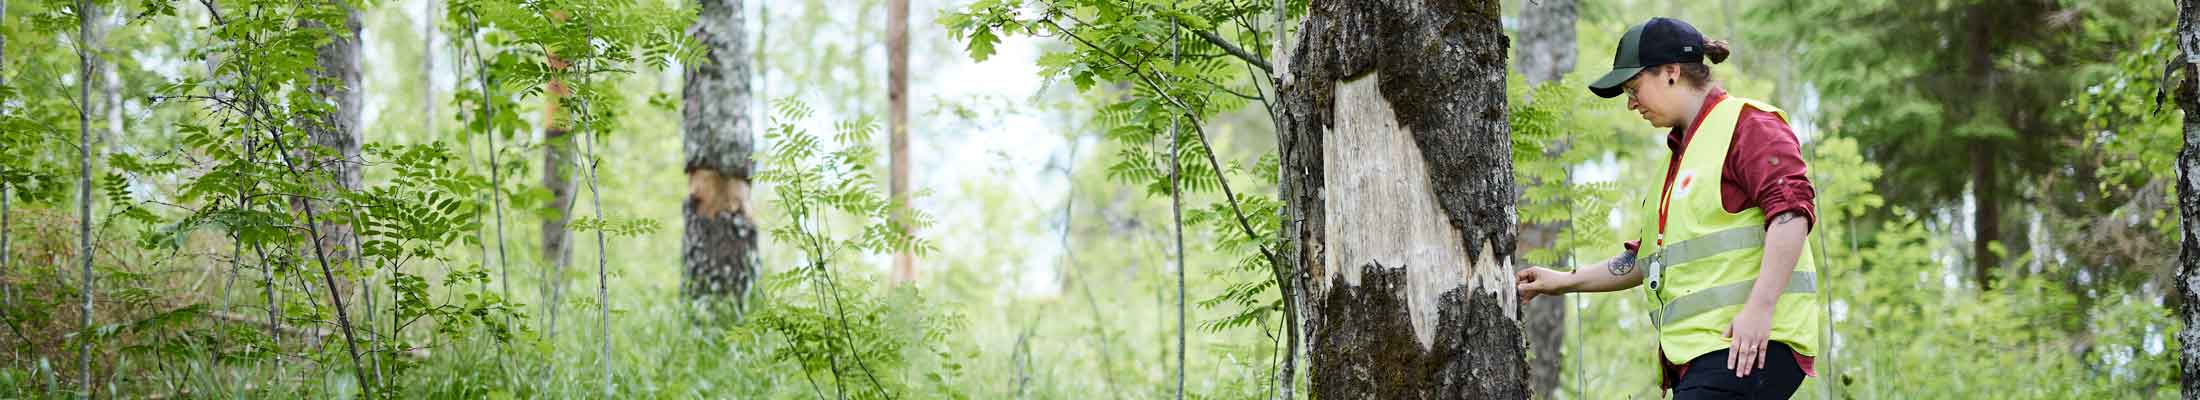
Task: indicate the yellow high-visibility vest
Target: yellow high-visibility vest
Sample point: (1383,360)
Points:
(1699,271)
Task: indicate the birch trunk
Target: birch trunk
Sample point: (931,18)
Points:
(719,246)
(2188,195)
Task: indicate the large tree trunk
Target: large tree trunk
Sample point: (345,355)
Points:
(897,95)
(2188,196)
(1546,54)
(1399,107)
(719,247)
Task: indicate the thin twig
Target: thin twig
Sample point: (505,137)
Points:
(595,203)
(496,182)
(1227,47)
(846,334)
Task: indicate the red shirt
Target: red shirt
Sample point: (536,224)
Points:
(1763,169)
(1764,165)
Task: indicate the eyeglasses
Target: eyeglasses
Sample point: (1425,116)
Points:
(1631,87)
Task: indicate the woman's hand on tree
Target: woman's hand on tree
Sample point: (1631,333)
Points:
(1540,281)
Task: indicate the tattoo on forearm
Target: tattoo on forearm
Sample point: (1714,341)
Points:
(1786,217)
(1623,264)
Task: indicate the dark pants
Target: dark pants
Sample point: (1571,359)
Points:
(1709,378)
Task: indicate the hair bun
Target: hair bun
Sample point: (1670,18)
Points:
(1717,51)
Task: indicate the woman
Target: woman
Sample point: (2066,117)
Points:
(1728,276)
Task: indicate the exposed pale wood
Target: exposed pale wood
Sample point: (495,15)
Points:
(1397,177)
(719,241)
(1382,209)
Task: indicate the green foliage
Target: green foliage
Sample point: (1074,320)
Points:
(847,338)
(2133,136)
(1553,133)
(1969,98)
(236,188)
(1165,93)
(841,331)
(816,181)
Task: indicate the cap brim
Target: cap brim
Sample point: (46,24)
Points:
(1609,85)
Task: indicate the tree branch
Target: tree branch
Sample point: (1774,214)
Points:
(1233,49)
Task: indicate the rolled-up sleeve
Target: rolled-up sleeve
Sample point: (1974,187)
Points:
(1765,165)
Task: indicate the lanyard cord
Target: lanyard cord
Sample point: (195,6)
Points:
(1665,195)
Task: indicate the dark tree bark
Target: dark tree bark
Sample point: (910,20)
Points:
(719,247)
(2187,97)
(1986,213)
(1398,175)
(1546,54)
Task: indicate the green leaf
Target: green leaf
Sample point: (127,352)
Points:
(981,44)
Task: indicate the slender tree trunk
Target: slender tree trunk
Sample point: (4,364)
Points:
(337,70)
(897,96)
(7,291)
(1546,54)
(2187,94)
(496,168)
(428,51)
(1986,220)
(1176,216)
(337,67)
(719,246)
(7,194)
(428,116)
(1398,176)
(1986,210)
(557,154)
(110,78)
(603,250)
(84,59)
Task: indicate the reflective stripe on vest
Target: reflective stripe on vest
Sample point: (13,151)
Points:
(1731,294)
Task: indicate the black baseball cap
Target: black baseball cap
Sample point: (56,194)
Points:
(1652,43)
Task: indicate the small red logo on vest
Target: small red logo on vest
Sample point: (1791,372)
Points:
(1686,181)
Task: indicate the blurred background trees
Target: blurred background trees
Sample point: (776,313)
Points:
(1996,185)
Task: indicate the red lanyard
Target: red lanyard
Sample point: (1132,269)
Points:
(1665,196)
